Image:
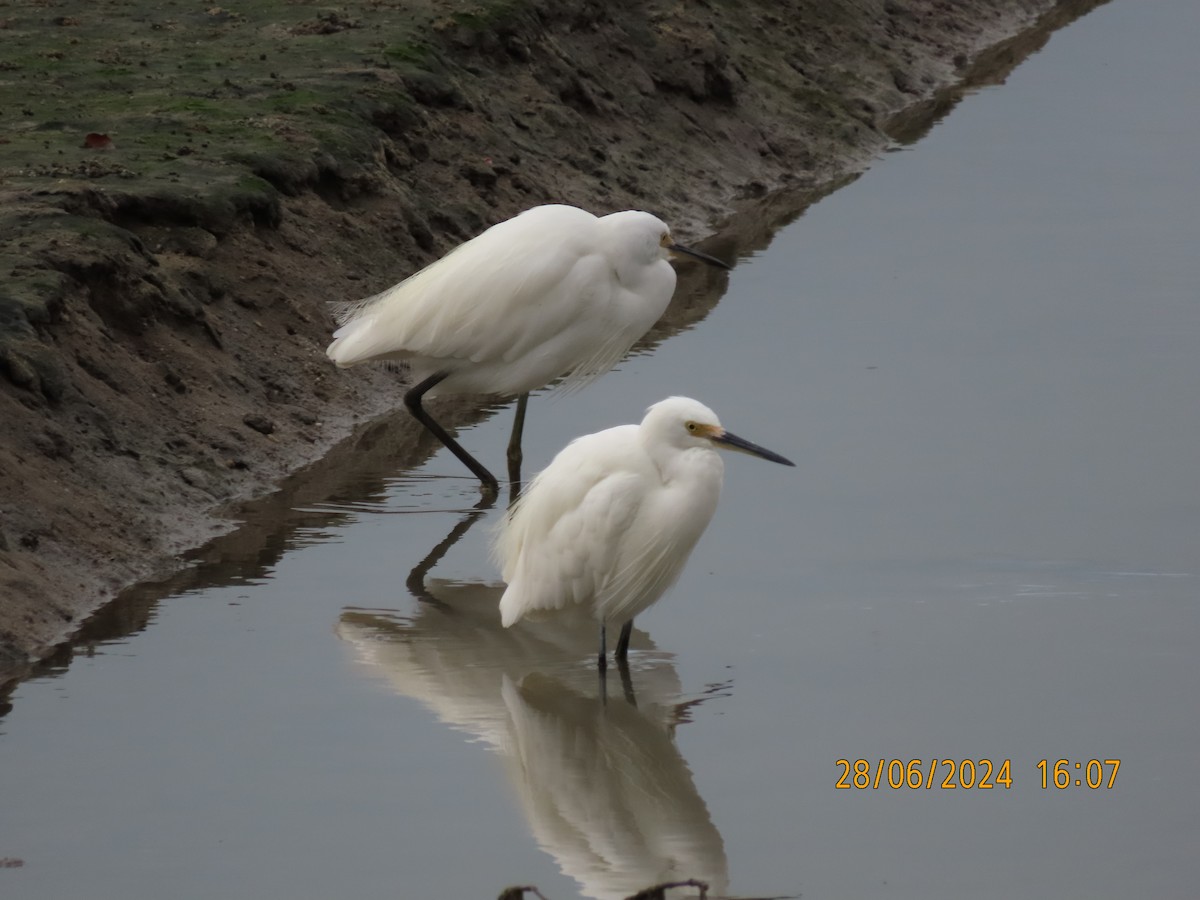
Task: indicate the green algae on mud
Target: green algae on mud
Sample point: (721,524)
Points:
(209,114)
(184,93)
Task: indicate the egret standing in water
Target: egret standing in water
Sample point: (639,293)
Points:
(611,521)
(553,292)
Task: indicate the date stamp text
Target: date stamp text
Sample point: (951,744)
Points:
(972,774)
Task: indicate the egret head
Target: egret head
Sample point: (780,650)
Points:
(645,239)
(684,423)
(670,247)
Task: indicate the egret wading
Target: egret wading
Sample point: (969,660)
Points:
(554,291)
(611,521)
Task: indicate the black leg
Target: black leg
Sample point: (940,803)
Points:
(623,641)
(626,682)
(412,399)
(603,661)
(514,442)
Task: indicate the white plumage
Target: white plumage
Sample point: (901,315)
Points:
(555,291)
(610,523)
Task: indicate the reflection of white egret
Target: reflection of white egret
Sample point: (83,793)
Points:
(451,655)
(609,524)
(607,793)
(604,788)
(553,292)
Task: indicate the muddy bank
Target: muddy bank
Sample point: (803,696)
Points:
(162,319)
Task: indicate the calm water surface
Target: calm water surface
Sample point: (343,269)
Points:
(983,356)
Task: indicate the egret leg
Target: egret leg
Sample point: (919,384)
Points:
(412,399)
(603,661)
(626,682)
(623,642)
(515,455)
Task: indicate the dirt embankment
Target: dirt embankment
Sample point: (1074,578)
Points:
(184,186)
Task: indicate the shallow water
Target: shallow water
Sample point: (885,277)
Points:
(983,358)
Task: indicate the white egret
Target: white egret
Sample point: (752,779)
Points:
(554,291)
(611,521)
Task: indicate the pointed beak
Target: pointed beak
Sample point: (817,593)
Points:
(703,257)
(731,441)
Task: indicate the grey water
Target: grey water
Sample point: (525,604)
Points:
(983,357)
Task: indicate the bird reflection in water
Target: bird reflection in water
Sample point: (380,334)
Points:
(603,787)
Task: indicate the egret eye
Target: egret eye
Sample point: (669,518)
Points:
(692,426)
(665,238)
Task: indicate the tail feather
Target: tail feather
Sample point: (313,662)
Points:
(510,610)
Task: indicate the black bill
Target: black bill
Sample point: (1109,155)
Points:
(733,442)
(703,257)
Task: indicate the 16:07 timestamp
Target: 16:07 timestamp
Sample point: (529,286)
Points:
(1065,773)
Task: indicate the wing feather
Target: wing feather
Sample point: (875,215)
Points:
(472,304)
(565,535)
